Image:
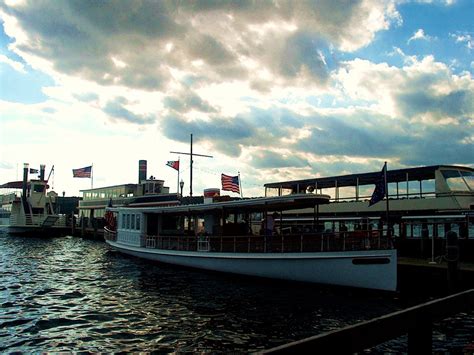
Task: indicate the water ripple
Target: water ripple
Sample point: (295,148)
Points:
(69,294)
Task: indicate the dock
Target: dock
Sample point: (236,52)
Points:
(415,321)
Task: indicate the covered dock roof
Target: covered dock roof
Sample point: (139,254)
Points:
(399,175)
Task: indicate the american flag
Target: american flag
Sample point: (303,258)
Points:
(230,183)
(379,191)
(82,172)
(174,164)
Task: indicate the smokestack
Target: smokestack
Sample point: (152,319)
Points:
(42,169)
(25,178)
(141,171)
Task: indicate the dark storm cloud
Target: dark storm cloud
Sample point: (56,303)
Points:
(116,109)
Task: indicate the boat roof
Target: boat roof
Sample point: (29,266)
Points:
(399,175)
(19,184)
(257,204)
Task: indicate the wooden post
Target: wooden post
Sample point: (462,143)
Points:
(452,256)
(73,224)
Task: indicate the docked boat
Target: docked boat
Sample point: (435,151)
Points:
(425,203)
(32,212)
(235,237)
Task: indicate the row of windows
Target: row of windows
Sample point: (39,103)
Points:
(130,221)
(108,194)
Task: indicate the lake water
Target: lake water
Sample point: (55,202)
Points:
(71,294)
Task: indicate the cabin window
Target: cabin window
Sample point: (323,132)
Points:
(137,225)
(122,217)
(128,221)
(132,221)
(38,188)
(454,180)
(469,178)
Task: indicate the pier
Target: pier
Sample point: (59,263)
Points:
(415,321)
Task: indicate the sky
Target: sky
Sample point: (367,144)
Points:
(273,90)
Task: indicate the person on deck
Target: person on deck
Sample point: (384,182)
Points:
(269,229)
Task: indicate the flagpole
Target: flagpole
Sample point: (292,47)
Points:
(387,203)
(240,186)
(179,167)
(92,175)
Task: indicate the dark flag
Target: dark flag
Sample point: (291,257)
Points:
(230,183)
(173,164)
(34,171)
(380,187)
(82,172)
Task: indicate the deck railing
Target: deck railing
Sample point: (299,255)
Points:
(297,243)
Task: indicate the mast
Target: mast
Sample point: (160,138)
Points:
(191,154)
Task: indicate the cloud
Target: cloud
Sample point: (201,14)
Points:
(457,103)
(185,101)
(117,109)
(419,35)
(14,64)
(464,38)
(258,128)
(269,159)
(216,42)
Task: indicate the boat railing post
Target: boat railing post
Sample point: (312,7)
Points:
(343,241)
(282,243)
(265,244)
(235,243)
(301,243)
(322,241)
(248,244)
(221,243)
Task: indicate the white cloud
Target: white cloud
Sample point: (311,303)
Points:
(464,38)
(15,65)
(419,35)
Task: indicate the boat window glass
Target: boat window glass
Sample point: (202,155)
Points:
(38,188)
(469,178)
(132,220)
(285,192)
(272,192)
(454,180)
(137,225)
(128,221)
(122,217)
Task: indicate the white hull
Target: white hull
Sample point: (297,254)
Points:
(372,269)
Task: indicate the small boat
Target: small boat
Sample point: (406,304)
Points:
(231,237)
(32,212)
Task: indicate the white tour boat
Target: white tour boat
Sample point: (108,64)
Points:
(225,237)
(32,212)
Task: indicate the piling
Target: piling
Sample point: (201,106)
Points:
(452,257)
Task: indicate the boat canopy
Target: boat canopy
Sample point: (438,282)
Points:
(393,176)
(257,204)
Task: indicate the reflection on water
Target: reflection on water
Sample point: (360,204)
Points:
(69,294)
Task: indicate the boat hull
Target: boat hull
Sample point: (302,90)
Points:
(371,269)
(37,231)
